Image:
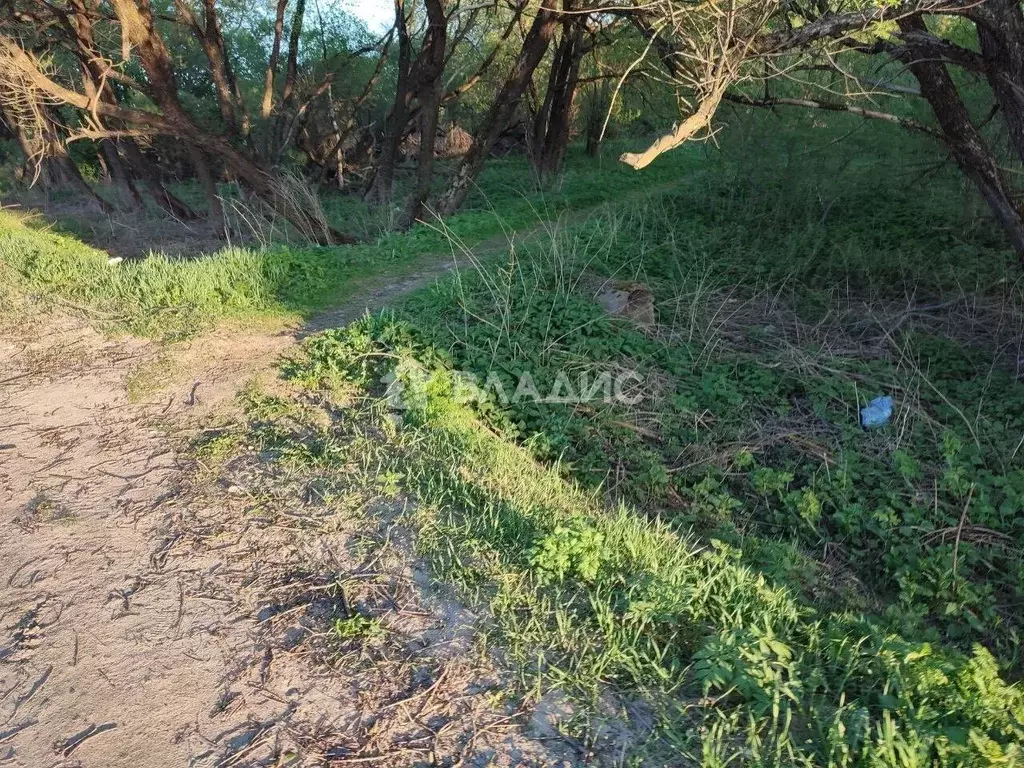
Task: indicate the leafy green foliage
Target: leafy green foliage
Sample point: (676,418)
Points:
(588,597)
(356,627)
(745,430)
(829,595)
(780,586)
(574,549)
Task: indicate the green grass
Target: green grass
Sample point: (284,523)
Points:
(602,600)
(747,427)
(778,585)
(176,297)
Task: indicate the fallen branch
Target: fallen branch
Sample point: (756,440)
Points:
(834,106)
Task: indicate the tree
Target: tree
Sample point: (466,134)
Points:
(383,180)
(535,45)
(427,84)
(720,51)
(24,76)
(553,120)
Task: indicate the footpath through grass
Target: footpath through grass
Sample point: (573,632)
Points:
(177,297)
(729,550)
(725,565)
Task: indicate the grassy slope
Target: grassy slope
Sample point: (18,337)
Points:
(781,586)
(773,583)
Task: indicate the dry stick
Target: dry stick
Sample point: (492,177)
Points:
(76,741)
(258,740)
(618,87)
(959,531)
(417,695)
(376,758)
(39,683)
(16,729)
(1014,454)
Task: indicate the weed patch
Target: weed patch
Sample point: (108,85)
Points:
(781,585)
(594,599)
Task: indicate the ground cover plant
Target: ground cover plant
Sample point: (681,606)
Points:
(603,602)
(638,267)
(755,378)
(730,551)
(746,572)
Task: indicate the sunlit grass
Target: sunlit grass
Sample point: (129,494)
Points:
(603,601)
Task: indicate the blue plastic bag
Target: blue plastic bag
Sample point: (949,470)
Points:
(876,413)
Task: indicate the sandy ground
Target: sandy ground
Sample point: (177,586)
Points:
(152,616)
(148,619)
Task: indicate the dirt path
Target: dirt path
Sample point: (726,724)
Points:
(153,618)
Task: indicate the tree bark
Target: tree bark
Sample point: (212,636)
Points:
(963,139)
(135,164)
(120,176)
(383,181)
(211,40)
(1000,25)
(551,128)
(267,105)
(429,69)
(535,45)
(292,67)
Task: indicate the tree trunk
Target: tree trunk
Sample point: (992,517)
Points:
(597,103)
(292,67)
(966,144)
(206,181)
(163,197)
(120,176)
(212,42)
(54,167)
(383,180)
(540,120)
(429,68)
(281,130)
(1000,26)
(267,105)
(137,19)
(502,109)
(31,166)
(135,164)
(551,129)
